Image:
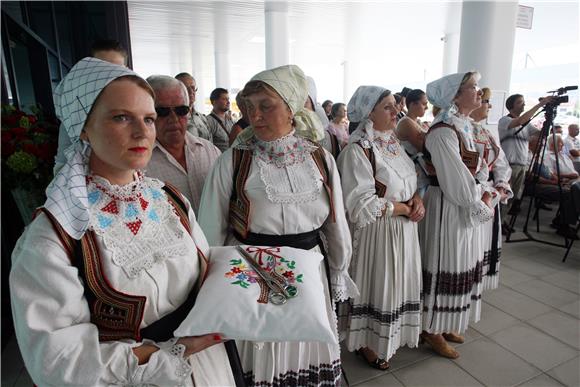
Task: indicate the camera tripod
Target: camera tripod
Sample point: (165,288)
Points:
(532,179)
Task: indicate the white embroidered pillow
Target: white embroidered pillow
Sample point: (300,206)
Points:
(230,301)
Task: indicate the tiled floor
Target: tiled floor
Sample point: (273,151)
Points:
(528,334)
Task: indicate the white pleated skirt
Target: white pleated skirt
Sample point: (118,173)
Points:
(386,268)
(452,256)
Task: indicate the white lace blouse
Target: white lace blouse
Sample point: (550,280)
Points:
(287,196)
(146,251)
(393,168)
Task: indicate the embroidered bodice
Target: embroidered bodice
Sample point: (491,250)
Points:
(136,222)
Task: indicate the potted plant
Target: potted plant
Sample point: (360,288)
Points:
(29,144)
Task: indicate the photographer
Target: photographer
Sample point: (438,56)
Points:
(514,142)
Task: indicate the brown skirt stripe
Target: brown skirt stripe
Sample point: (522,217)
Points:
(320,375)
(368,311)
(453,284)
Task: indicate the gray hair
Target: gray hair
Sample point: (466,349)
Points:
(164,82)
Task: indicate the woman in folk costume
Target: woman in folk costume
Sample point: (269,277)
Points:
(457,207)
(499,176)
(283,190)
(111,264)
(379,184)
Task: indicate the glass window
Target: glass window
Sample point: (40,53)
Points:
(13,9)
(41,22)
(63,25)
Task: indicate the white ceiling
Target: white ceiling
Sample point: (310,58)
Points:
(170,37)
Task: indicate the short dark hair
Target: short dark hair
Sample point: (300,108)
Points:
(414,95)
(405,92)
(398,98)
(217,93)
(183,75)
(509,103)
(107,45)
(325,103)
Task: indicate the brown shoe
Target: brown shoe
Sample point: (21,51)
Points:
(439,345)
(454,338)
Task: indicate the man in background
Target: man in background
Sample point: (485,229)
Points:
(219,120)
(197,124)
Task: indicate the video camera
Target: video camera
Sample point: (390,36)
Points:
(560,95)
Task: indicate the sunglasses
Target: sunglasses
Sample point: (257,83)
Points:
(164,111)
(485,101)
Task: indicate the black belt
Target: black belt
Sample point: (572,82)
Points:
(435,182)
(305,240)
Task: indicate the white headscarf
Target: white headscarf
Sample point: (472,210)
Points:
(290,84)
(441,93)
(312,93)
(73,99)
(362,102)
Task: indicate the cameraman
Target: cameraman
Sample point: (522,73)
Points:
(514,143)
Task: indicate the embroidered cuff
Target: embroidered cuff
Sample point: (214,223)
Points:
(168,366)
(506,186)
(479,213)
(343,287)
(372,212)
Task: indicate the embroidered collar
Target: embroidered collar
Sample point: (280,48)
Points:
(284,151)
(385,142)
(136,221)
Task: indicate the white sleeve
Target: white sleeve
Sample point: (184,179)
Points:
(455,180)
(502,173)
(338,237)
(59,344)
(214,206)
(362,203)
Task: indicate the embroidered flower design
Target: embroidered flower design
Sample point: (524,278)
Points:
(271,261)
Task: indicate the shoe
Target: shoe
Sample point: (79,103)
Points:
(378,363)
(543,206)
(454,338)
(506,228)
(567,232)
(439,345)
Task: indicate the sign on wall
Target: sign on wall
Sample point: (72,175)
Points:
(525,17)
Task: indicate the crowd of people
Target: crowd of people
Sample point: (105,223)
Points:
(407,215)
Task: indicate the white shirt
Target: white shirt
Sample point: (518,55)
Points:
(565,163)
(515,146)
(200,156)
(571,143)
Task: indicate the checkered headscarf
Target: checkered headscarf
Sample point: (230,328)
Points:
(73,99)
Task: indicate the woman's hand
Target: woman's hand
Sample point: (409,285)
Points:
(502,193)
(401,209)
(417,209)
(486,198)
(194,344)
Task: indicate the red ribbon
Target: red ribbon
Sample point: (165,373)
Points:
(266,250)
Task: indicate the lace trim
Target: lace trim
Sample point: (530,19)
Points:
(182,367)
(375,211)
(282,152)
(138,225)
(508,189)
(480,213)
(343,287)
(299,183)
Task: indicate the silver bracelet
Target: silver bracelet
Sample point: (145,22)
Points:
(390,209)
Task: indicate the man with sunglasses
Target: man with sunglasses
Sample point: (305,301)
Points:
(179,157)
(197,124)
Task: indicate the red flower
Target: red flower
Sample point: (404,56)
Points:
(18,131)
(6,137)
(7,149)
(236,270)
(288,274)
(10,121)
